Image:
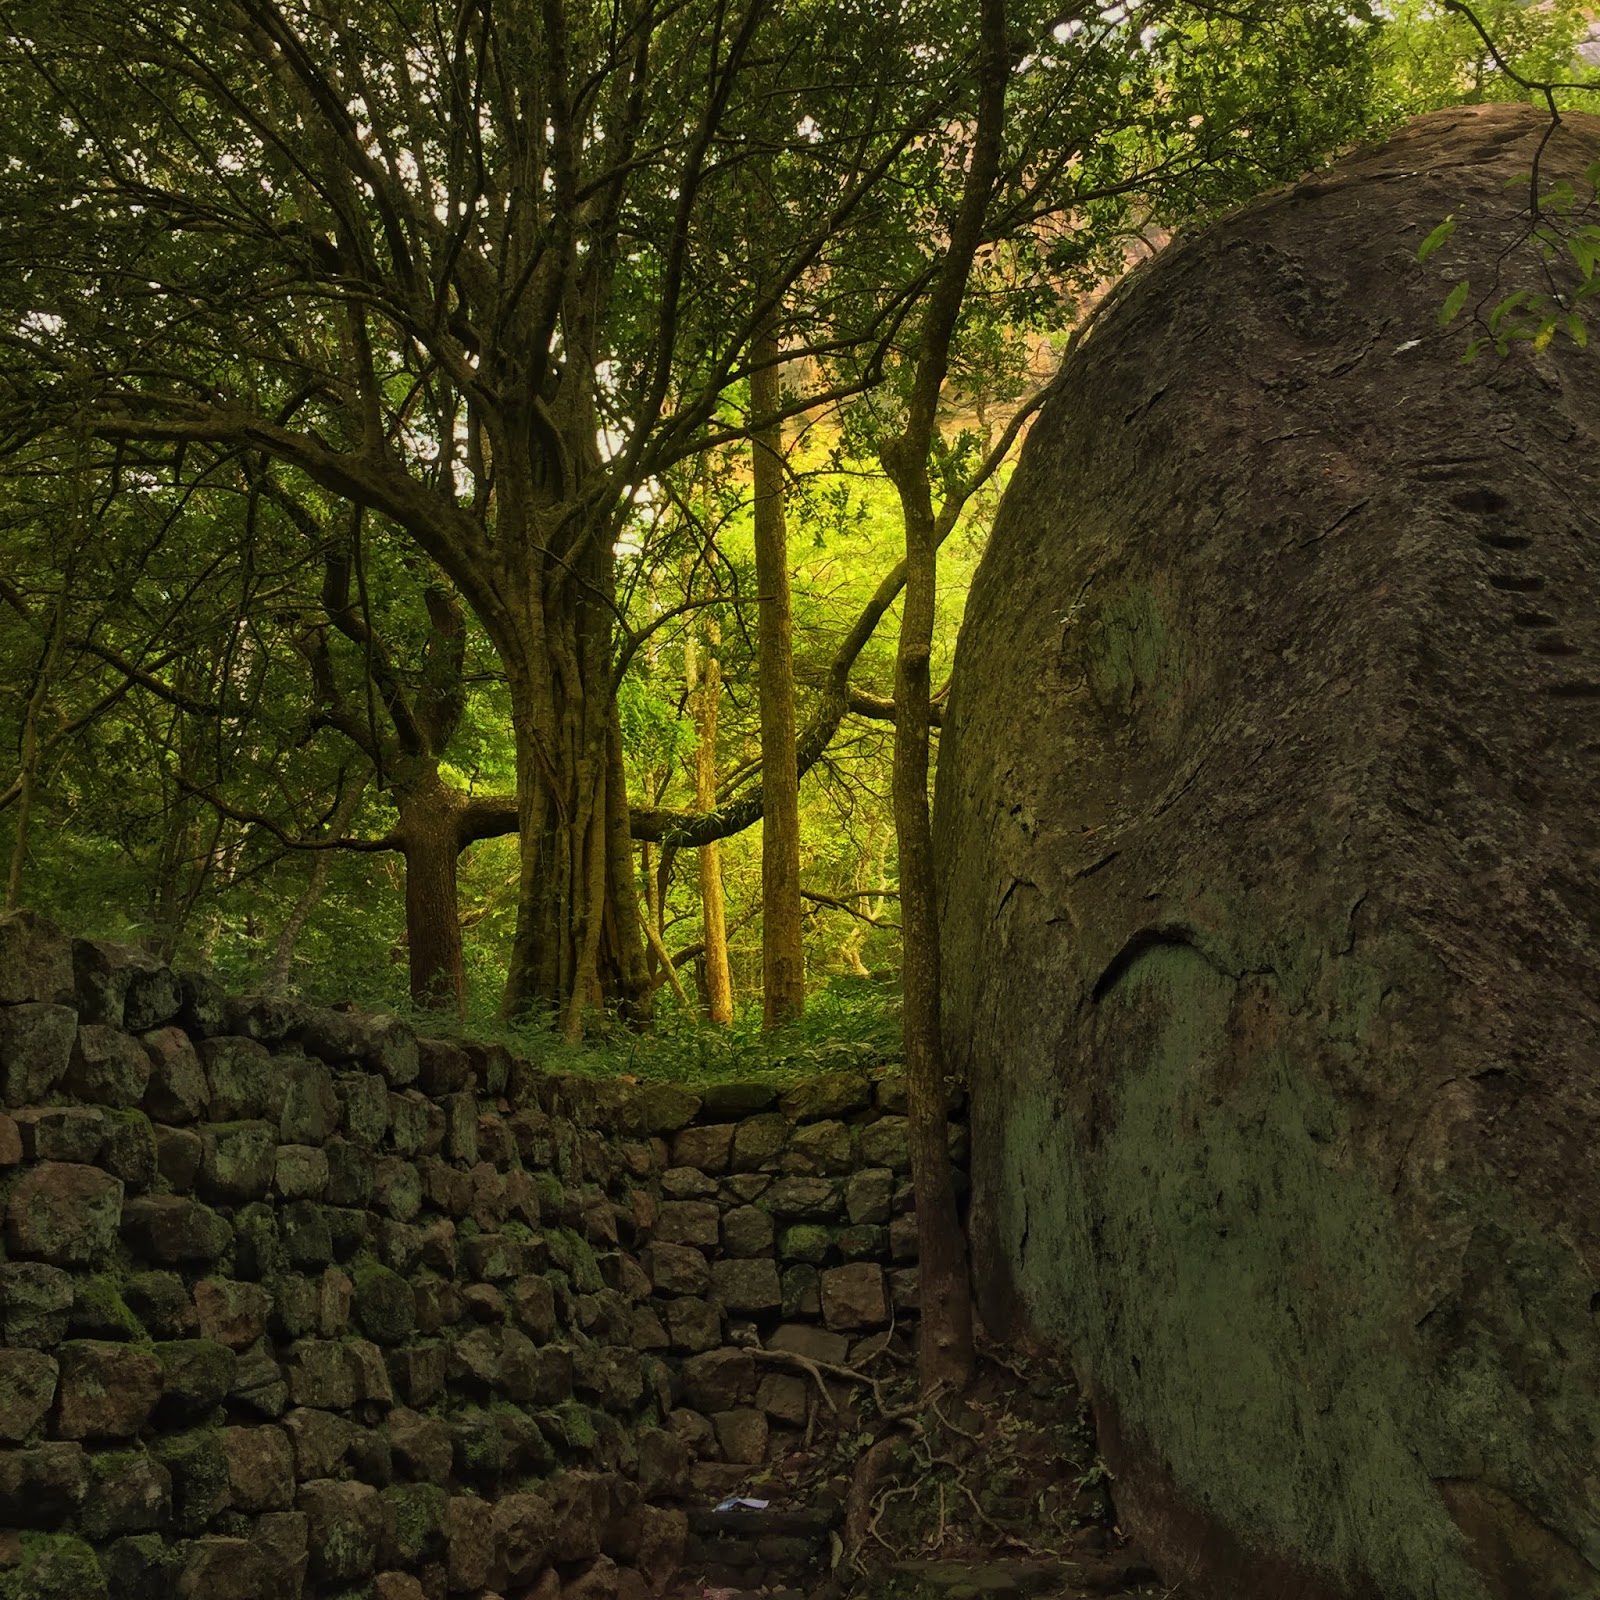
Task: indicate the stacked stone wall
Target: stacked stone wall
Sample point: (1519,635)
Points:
(294,1304)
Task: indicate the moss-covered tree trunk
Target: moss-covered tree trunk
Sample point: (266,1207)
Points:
(782,957)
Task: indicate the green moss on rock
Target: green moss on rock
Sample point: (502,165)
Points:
(569,1252)
(54,1567)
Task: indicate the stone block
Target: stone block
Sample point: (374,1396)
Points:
(802,1292)
(61,1133)
(161,1303)
(178,1152)
(818,1149)
(676,1268)
(749,1285)
(246,1083)
(815,1344)
(199,1471)
(196,1376)
(319,1375)
(803,1199)
(469,1532)
(883,1144)
(806,1241)
(521,1537)
(692,1222)
(707,1148)
(261,1468)
(693,1325)
(64,1213)
(364,1099)
(854,1296)
(54,1567)
(36,1042)
(719,1380)
(863,1241)
(869,1195)
(27,1392)
(42,1486)
(237,1160)
(300,1172)
(421,1445)
(746,1231)
(129,1492)
(784,1398)
(828,1094)
(344,1525)
(176,1090)
(687,1183)
(217,1568)
(758,1142)
(107,1391)
(310,1112)
(397,1187)
(319,1441)
(107,1068)
(741,1434)
(408,1121)
(129,1151)
(384,1304)
(661,1108)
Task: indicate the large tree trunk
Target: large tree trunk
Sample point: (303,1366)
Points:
(713,908)
(578,943)
(782,958)
(430,832)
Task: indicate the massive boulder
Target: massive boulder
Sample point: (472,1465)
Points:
(1269,808)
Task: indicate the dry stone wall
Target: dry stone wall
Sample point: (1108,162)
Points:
(296,1304)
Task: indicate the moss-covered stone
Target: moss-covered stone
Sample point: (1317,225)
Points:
(129,1492)
(258,1246)
(54,1566)
(160,1302)
(569,1252)
(196,1374)
(199,1469)
(415,1515)
(100,1312)
(807,1242)
(384,1303)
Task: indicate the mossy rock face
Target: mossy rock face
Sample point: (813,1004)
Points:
(196,1375)
(569,1252)
(199,1471)
(807,1242)
(1266,821)
(54,1567)
(416,1512)
(100,1312)
(385,1305)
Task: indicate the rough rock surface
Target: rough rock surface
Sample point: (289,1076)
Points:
(1267,808)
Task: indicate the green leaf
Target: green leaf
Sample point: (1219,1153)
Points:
(1436,238)
(1547,331)
(1577,329)
(1473,351)
(1505,308)
(1451,309)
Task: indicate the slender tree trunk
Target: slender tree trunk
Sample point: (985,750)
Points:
(32,715)
(946,1353)
(705,693)
(311,895)
(782,958)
